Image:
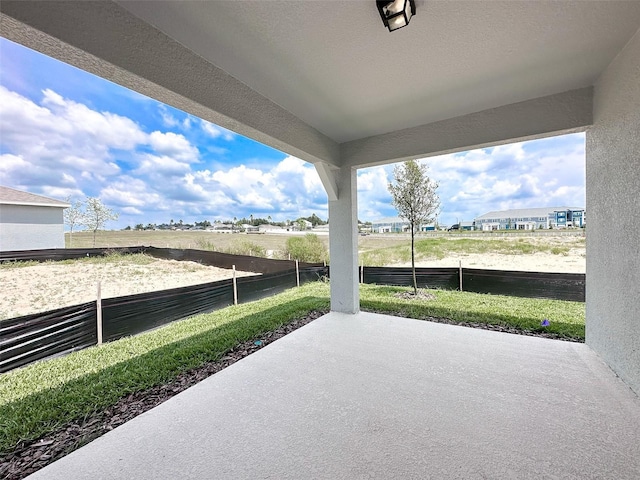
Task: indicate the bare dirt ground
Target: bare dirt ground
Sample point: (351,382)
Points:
(51,285)
(571,261)
(574,262)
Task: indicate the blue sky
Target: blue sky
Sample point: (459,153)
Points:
(67,133)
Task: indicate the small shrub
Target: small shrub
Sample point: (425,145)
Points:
(308,249)
(247,248)
(203,244)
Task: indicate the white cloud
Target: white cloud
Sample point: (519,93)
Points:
(132,211)
(131,192)
(168,120)
(174,145)
(60,139)
(161,166)
(62,193)
(214,131)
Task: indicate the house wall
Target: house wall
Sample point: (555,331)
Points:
(613,203)
(24,227)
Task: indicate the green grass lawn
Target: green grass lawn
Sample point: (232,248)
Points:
(41,397)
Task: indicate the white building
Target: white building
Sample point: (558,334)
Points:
(390,225)
(30,222)
(530,218)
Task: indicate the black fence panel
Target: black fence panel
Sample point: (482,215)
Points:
(255,288)
(244,263)
(313,273)
(134,314)
(444,278)
(24,340)
(55,254)
(555,286)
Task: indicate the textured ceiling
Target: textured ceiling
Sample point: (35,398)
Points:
(335,66)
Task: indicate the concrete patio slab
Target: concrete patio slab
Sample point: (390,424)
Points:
(374,396)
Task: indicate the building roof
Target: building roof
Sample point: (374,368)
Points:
(525,212)
(11,196)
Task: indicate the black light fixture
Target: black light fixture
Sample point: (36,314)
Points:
(396,13)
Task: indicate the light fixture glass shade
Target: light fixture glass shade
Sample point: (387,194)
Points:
(396,22)
(396,14)
(396,6)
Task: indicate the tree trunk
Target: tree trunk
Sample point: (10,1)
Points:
(94,239)
(413,262)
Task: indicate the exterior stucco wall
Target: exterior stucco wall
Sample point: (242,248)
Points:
(25,227)
(613,203)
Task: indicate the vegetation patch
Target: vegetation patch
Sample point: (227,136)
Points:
(308,249)
(243,247)
(442,247)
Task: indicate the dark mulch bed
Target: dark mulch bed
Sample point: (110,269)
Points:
(31,456)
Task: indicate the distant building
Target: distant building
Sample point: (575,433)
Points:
(532,219)
(30,222)
(390,225)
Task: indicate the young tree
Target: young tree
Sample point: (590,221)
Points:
(414,197)
(73,216)
(97,215)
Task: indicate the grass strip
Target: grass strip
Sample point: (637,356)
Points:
(566,319)
(38,399)
(41,397)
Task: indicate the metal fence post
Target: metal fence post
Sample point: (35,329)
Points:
(297,274)
(235,287)
(460,272)
(99,312)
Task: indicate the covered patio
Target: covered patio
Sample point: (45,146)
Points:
(373,396)
(357,395)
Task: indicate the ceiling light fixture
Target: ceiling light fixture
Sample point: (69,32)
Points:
(396,13)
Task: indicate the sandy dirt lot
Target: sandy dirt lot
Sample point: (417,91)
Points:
(47,286)
(537,262)
(572,261)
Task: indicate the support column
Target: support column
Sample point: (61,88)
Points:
(613,214)
(343,237)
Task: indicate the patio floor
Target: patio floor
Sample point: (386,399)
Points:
(374,396)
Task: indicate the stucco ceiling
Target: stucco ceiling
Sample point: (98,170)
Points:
(334,65)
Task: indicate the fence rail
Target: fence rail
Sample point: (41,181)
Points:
(554,286)
(26,339)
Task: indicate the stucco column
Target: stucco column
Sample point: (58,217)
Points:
(343,243)
(613,215)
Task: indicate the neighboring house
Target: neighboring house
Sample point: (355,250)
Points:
(532,218)
(30,222)
(302,225)
(267,228)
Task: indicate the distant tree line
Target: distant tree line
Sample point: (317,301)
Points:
(253,221)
